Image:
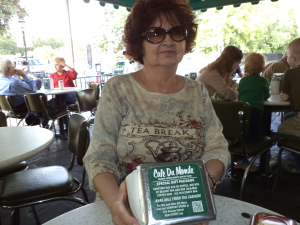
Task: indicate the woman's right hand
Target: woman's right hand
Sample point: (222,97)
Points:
(284,96)
(120,209)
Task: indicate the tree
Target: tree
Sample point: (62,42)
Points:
(8,9)
(110,29)
(52,42)
(8,46)
(249,27)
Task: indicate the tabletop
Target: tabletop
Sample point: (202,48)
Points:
(57,91)
(275,100)
(228,212)
(22,142)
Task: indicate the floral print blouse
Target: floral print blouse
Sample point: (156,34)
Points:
(135,126)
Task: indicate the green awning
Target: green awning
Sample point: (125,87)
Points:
(202,5)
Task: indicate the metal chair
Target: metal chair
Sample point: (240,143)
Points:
(37,102)
(46,184)
(288,143)
(3,122)
(7,105)
(86,102)
(235,118)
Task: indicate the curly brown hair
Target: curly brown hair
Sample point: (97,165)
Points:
(254,63)
(144,13)
(223,64)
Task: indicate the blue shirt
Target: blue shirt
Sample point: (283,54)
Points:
(11,86)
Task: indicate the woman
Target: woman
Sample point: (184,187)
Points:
(67,76)
(216,76)
(150,108)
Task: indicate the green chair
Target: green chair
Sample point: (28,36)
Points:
(7,105)
(45,184)
(235,118)
(3,122)
(288,143)
(37,102)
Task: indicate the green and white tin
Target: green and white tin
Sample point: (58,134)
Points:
(171,193)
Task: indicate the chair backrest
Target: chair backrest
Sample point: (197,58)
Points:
(86,100)
(3,122)
(96,88)
(4,104)
(234,116)
(79,136)
(36,102)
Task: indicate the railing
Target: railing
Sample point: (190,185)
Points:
(83,82)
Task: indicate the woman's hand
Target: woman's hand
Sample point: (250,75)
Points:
(284,96)
(120,209)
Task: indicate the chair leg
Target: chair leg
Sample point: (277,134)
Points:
(267,169)
(84,195)
(232,173)
(35,215)
(15,217)
(247,172)
(278,170)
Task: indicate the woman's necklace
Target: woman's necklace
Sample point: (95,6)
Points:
(60,77)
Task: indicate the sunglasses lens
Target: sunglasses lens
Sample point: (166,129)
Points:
(156,34)
(178,33)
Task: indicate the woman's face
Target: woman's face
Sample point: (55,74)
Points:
(166,53)
(58,66)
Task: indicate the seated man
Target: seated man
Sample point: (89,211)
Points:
(16,88)
(11,86)
(278,66)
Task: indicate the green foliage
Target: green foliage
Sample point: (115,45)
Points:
(110,29)
(253,28)
(9,8)
(8,46)
(52,42)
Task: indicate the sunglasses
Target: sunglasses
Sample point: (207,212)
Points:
(156,35)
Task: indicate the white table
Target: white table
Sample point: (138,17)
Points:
(275,100)
(58,92)
(228,212)
(22,142)
(273,104)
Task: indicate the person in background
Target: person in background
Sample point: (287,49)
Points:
(9,85)
(216,76)
(16,88)
(38,82)
(239,71)
(254,89)
(157,34)
(131,65)
(291,92)
(67,76)
(279,66)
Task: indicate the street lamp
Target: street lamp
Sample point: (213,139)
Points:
(21,16)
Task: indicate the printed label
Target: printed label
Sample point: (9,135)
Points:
(176,191)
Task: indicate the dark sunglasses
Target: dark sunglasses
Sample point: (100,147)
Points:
(157,34)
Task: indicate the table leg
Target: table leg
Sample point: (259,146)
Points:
(61,134)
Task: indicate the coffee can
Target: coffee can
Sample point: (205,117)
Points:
(61,84)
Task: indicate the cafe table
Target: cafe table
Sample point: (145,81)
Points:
(273,104)
(20,143)
(228,212)
(58,92)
